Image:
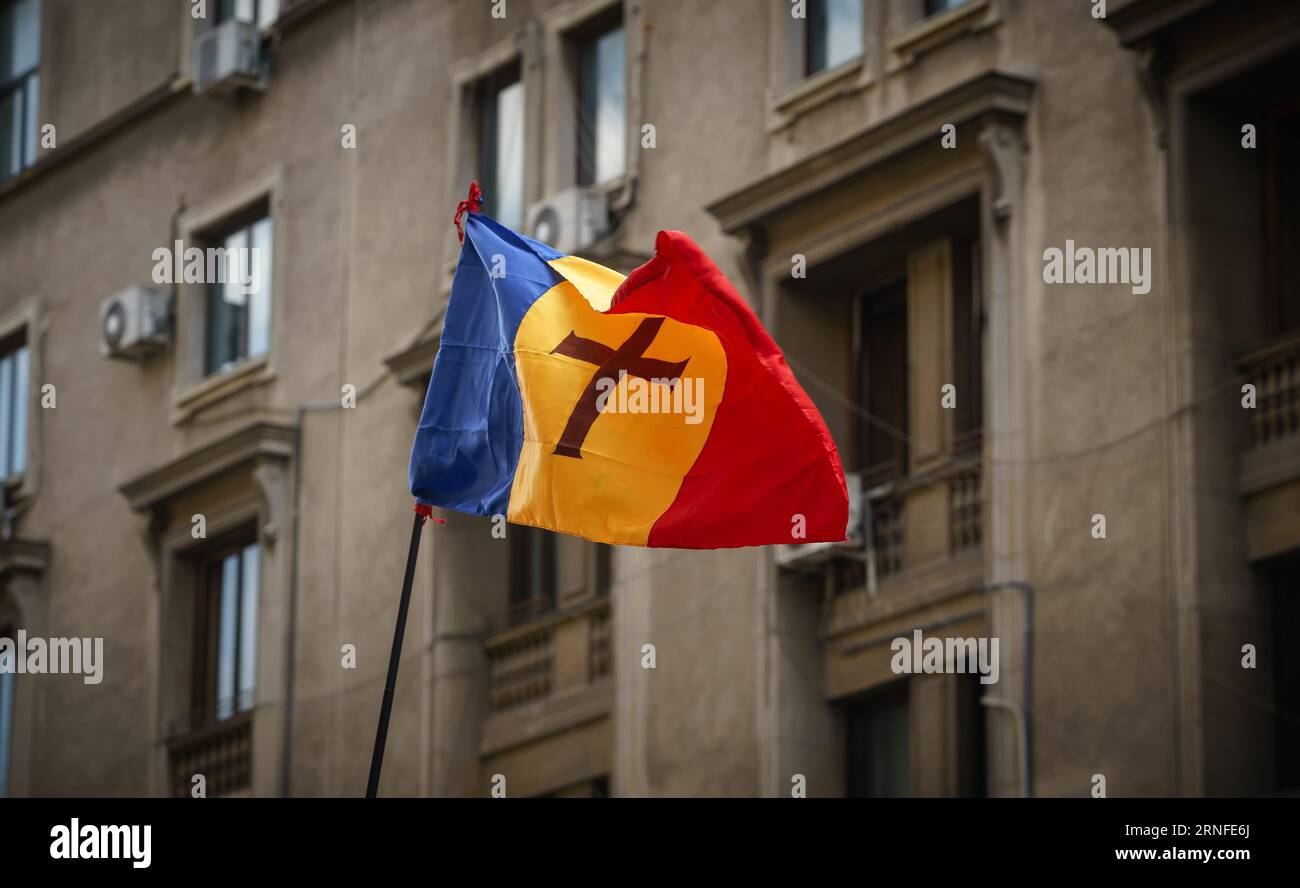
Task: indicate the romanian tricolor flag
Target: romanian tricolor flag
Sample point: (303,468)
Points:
(651,410)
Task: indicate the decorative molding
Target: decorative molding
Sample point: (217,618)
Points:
(786,106)
(1136,21)
(23,557)
(1001,147)
(214,389)
(254,442)
(1152,69)
(412,365)
(532,722)
(992,95)
(273,485)
(934,31)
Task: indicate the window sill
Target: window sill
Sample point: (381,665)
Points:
(787,106)
(931,33)
(213,389)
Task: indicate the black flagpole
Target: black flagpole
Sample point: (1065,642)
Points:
(395,658)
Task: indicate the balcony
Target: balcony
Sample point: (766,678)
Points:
(550,695)
(926,517)
(925,546)
(1270,461)
(546,650)
(1274,371)
(221,751)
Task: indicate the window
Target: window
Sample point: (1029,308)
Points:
(532,573)
(832,35)
(6,718)
(239,300)
(877,742)
(1282,219)
(934,7)
(226,638)
(263,13)
(882,383)
(1284,578)
(602,103)
(968,347)
(13,410)
(20,59)
(501,145)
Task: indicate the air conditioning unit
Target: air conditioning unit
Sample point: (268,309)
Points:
(228,57)
(570,220)
(134,323)
(800,555)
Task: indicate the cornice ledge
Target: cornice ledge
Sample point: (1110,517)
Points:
(993,93)
(412,365)
(1137,21)
(257,440)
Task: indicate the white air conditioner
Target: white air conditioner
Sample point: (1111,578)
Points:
(134,323)
(570,220)
(809,554)
(227,57)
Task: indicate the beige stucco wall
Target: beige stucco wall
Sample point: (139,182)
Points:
(734,705)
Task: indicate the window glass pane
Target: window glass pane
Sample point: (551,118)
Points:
(834,33)
(267,12)
(227,637)
(601,109)
(227,306)
(20,37)
(252,564)
(18,447)
(610,106)
(878,745)
(933,7)
(245,11)
(11,128)
(509,172)
(31,104)
(6,412)
(259,321)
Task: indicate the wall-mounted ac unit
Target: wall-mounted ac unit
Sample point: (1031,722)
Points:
(134,323)
(796,555)
(570,220)
(228,57)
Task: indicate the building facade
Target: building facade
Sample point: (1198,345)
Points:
(1092,466)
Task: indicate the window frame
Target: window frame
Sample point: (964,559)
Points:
(242,223)
(526,601)
(206,702)
(262,21)
(486,94)
(808,36)
(580,39)
(14,428)
(19,85)
(193,390)
(871,710)
(888,297)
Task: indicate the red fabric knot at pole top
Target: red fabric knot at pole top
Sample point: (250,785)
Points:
(471,204)
(426,511)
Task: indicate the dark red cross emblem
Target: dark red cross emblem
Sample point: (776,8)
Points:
(628,358)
